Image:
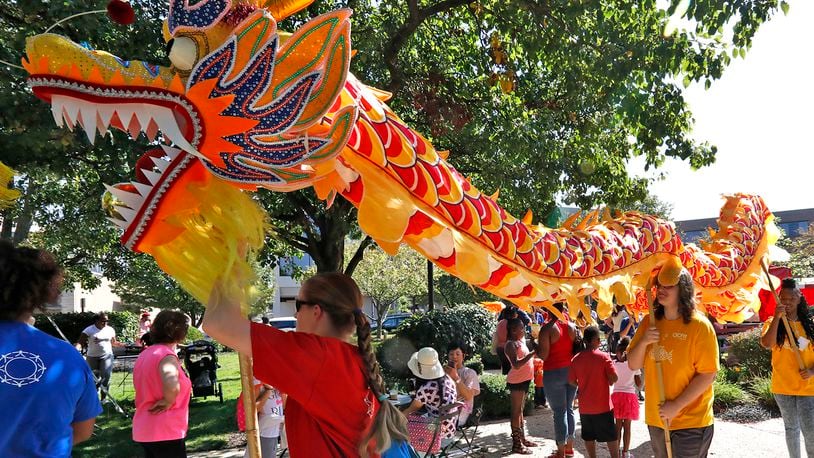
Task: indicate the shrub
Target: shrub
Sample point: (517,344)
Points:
(489,360)
(495,395)
(475,364)
(470,325)
(762,389)
(73,323)
(194,334)
(728,394)
(746,352)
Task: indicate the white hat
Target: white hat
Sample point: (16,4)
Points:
(424,364)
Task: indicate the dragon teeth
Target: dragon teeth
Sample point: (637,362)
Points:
(152,176)
(132,117)
(120,223)
(130,199)
(161,164)
(142,188)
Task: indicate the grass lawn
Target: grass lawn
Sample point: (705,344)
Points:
(210,422)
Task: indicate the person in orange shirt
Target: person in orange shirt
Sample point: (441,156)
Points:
(539,388)
(793,388)
(683,340)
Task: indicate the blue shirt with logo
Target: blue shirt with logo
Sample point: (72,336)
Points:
(45,386)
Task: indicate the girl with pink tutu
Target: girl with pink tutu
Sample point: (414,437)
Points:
(624,399)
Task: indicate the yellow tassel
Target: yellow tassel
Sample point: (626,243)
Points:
(220,234)
(7,195)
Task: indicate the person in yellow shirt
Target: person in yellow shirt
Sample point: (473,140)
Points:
(684,341)
(793,388)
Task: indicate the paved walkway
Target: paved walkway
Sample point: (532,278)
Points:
(732,440)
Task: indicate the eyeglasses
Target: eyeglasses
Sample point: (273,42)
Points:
(298,304)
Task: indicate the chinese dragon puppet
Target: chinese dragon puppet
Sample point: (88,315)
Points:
(244,106)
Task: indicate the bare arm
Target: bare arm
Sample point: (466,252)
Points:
(170,384)
(224,322)
(414,406)
(82,430)
(635,357)
(769,339)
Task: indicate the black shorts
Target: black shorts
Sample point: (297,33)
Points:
(522,386)
(598,427)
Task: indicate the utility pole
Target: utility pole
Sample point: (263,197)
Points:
(430,299)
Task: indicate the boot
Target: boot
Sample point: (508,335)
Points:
(517,442)
(523,439)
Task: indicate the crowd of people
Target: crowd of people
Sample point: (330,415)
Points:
(330,394)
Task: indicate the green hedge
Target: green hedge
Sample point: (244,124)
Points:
(72,324)
(495,395)
(728,394)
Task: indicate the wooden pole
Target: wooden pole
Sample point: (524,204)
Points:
(783,318)
(249,406)
(659,372)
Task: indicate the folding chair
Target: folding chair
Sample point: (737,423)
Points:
(426,445)
(466,433)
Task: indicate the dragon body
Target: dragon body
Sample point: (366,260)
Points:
(260,108)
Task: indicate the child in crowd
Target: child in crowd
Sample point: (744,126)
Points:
(625,403)
(593,374)
(269,403)
(539,390)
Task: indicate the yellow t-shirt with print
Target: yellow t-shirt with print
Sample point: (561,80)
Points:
(785,372)
(684,351)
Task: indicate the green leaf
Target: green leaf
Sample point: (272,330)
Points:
(785,7)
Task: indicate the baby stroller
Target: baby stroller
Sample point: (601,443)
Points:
(201,361)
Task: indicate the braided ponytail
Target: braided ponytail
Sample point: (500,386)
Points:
(340,298)
(389,424)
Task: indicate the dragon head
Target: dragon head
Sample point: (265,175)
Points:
(242,106)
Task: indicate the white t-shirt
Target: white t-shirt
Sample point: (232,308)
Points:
(617,321)
(626,382)
(99,340)
(270,418)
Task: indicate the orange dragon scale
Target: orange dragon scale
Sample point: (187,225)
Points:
(245,106)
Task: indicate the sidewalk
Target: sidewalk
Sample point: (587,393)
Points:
(732,440)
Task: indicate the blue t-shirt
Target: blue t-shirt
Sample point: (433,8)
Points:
(45,385)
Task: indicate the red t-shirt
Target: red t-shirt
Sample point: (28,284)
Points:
(330,406)
(592,370)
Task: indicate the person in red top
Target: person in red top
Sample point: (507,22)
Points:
(593,373)
(335,392)
(555,347)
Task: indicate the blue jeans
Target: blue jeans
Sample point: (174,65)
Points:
(798,414)
(560,396)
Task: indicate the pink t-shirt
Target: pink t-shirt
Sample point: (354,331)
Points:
(170,424)
(526,371)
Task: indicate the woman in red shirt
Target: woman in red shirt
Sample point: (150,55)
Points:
(335,390)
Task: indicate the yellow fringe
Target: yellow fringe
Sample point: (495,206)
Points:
(220,234)
(7,195)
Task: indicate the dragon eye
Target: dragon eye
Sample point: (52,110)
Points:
(183,53)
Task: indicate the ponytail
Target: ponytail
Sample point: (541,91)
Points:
(390,424)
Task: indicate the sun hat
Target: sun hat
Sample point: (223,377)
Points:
(424,364)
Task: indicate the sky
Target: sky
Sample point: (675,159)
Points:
(760,116)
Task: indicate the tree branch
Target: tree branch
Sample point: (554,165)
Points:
(400,37)
(357,257)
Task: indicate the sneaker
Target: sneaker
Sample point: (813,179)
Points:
(627,454)
(569,451)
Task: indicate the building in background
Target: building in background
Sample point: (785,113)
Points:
(793,223)
(77,299)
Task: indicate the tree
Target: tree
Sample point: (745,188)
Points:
(801,249)
(384,279)
(538,99)
(455,291)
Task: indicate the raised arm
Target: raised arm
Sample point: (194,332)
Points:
(224,322)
